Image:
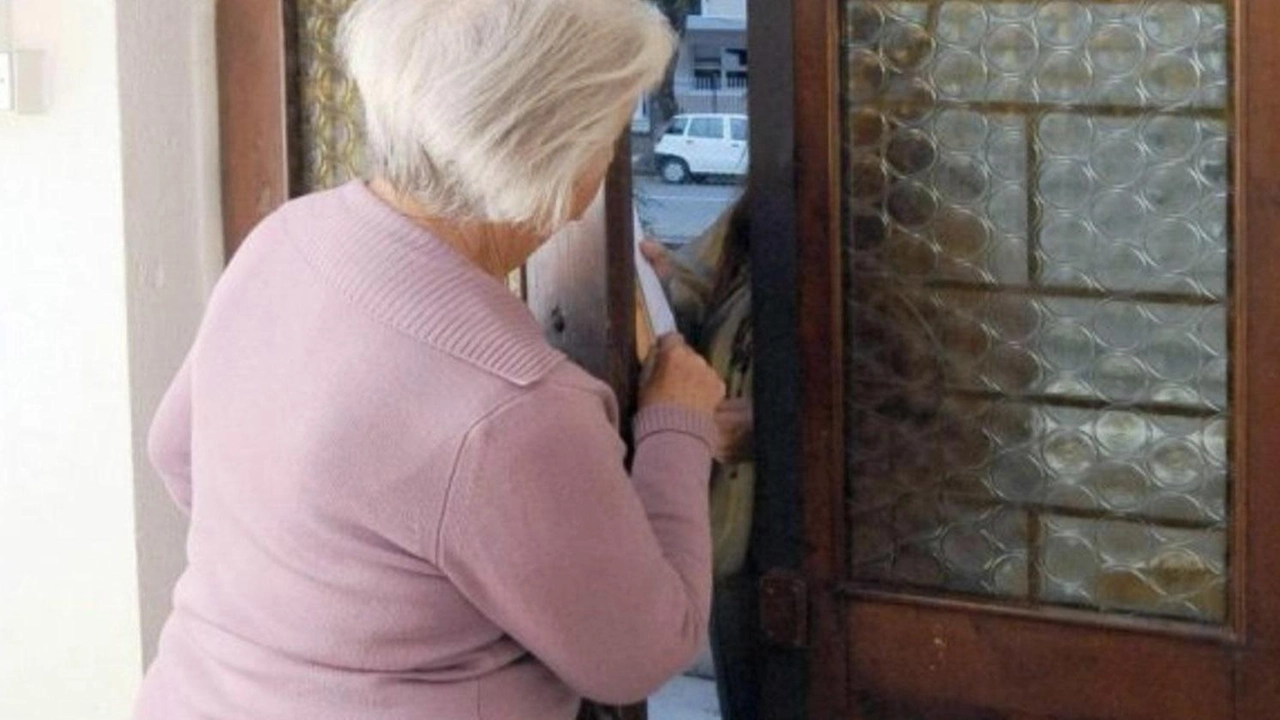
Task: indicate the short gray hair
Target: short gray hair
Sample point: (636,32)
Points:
(491,109)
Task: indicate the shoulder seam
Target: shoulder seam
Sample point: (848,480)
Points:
(467,436)
(291,239)
(476,426)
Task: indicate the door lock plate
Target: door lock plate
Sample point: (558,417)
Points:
(784,608)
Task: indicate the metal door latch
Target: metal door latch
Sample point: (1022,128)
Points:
(784,608)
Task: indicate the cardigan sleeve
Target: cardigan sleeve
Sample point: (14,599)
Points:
(605,580)
(169,439)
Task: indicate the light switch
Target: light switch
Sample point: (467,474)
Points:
(6,81)
(21,81)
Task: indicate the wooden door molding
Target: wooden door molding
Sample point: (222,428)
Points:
(1257,343)
(778,539)
(254,79)
(821,346)
(950,658)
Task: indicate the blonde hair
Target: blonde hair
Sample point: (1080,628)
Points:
(492,109)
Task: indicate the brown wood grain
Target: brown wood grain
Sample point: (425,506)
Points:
(1258,686)
(778,530)
(821,347)
(620,272)
(919,709)
(1257,344)
(1058,615)
(252,103)
(1258,324)
(1041,669)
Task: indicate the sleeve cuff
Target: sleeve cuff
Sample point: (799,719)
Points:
(675,418)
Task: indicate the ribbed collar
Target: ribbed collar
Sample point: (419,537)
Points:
(411,280)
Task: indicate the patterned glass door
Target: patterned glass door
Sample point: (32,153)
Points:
(1039,481)
(331,137)
(1038,254)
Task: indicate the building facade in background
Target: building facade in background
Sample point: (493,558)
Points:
(711,65)
(711,70)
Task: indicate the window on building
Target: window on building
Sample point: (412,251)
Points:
(707,128)
(708,67)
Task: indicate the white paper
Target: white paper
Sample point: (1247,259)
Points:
(661,319)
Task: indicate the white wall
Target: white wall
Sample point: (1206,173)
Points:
(168,77)
(68,599)
(104,206)
(4,24)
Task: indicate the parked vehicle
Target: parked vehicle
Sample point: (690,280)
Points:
(697,145)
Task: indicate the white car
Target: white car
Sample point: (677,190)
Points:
(695,145)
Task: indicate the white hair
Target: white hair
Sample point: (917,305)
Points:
(492,109)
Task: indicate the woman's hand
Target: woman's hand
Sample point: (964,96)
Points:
(662,259)
(659,257)
(679,376)
(736,424)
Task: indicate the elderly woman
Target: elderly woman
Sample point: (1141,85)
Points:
(404,504)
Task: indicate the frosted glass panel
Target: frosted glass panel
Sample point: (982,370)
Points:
(332,120)
(1037,273)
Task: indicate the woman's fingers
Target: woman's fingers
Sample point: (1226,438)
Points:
(682,377)
(734,419)
(652,249)
(670,341)
(659,257)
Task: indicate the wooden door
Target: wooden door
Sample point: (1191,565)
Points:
(1037,249)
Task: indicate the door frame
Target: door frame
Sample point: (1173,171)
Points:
(787,689)
(1250,641)
(1257,266)
(818,188)
(257,112)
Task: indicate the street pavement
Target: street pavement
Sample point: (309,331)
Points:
(685,698)
(676,214)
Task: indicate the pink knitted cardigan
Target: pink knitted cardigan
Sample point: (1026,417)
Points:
(404,503)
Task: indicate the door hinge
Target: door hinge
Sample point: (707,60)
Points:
(784,608)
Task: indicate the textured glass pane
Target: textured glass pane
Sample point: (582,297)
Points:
(1036,206)
(332,120)
(1126,566)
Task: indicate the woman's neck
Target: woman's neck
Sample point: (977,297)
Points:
(496,248)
